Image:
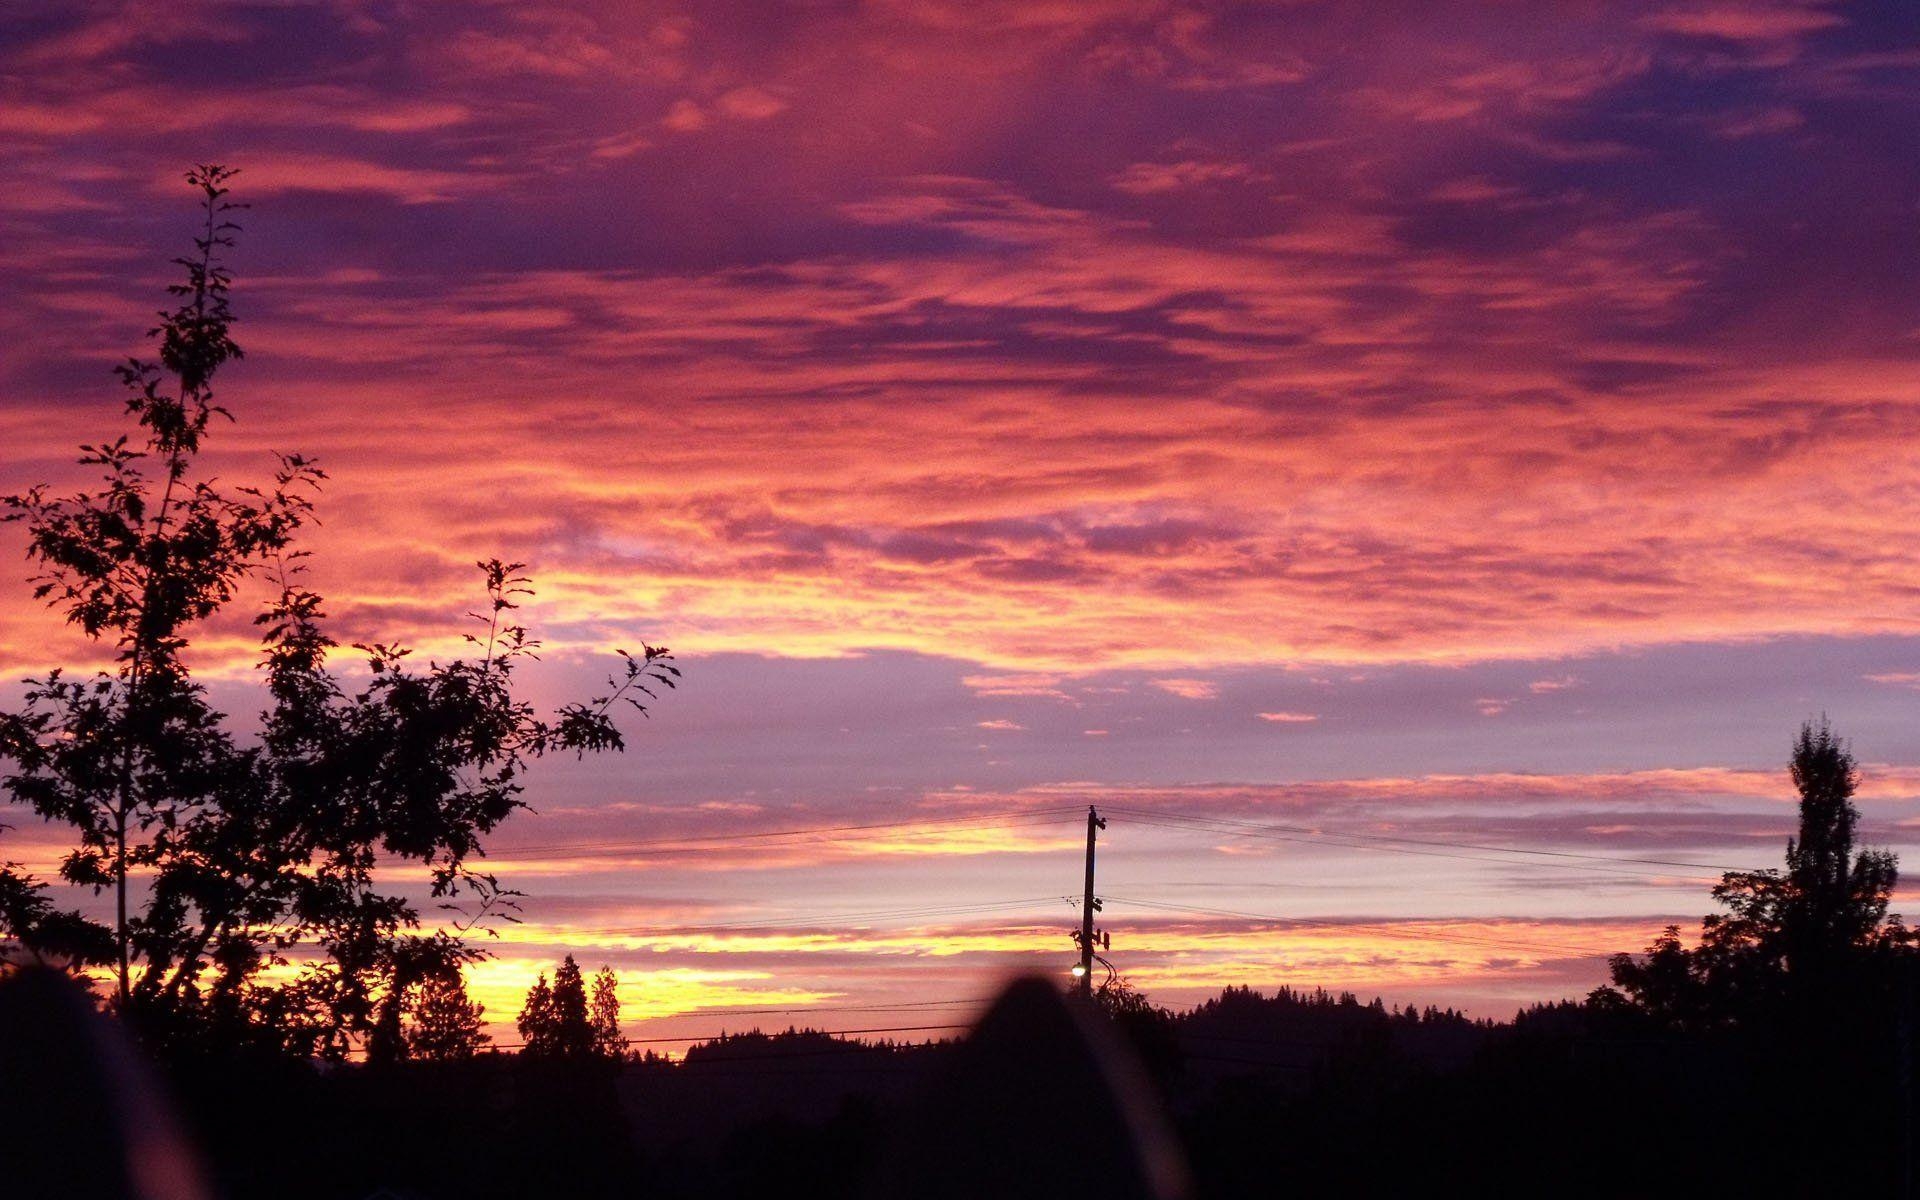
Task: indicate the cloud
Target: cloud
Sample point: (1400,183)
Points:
(1290,718)
(1041,686)
(276,174)
(750,104)
(1149,178)
(1189,689)
(1745,23)
(999,724)
(685,116)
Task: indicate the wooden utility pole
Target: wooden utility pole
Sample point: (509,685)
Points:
(1090,904)
(1903,1035)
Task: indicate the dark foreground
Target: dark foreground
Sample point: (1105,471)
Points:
(1265,1095)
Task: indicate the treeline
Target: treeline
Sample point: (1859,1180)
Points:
(1769,1053)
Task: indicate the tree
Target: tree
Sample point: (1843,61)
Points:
(605,1016)
(260,853)
(1147,1027)
(537,1026)
(446,1022)
(554,1021)
(1790,939)
(572,1035)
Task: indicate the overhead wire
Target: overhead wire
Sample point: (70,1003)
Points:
(708,1037)
(586,849)
(663,931)
(1388,843)
(1401,928)
(1516,856)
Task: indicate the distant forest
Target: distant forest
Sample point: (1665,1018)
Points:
(1269,1093)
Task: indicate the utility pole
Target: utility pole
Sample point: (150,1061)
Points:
(1090,904)
(1903,1035)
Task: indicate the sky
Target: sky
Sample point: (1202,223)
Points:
(1347,443)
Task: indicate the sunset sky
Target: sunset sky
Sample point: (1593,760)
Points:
(1480,423)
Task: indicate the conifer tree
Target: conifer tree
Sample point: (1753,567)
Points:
(605,1017)
(572,1027)
(555,1023)
(536,1020)
(446,1022)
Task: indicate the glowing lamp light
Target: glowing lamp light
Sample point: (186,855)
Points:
(1079,971)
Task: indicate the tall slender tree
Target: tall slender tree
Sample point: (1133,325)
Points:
(136,562)
(572,1026)
(605,1016)
(258,853)
(1794,937)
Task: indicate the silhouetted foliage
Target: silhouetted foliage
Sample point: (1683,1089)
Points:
(446,1023)
(34,929)
(536,1020)
(1147,1028)
(605,1016)
(559,1022)
(1301,1090)
(1794,944)
(260,853)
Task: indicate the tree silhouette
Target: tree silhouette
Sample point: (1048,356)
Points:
(446,1022)
(1790,939)
(536,1023)
(605,1016)
(572,1028)
(261,853)
(557,1022)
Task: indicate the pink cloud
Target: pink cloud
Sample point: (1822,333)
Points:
(268,175)
(1149,178)
(750,104)
(1744,23)
(1189,689)
(684,116)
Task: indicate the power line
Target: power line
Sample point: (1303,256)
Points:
(1401,929)
(1384,842)
(909,1006)
(591,849)
(710,1037)
(1457,845)
(806,919)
